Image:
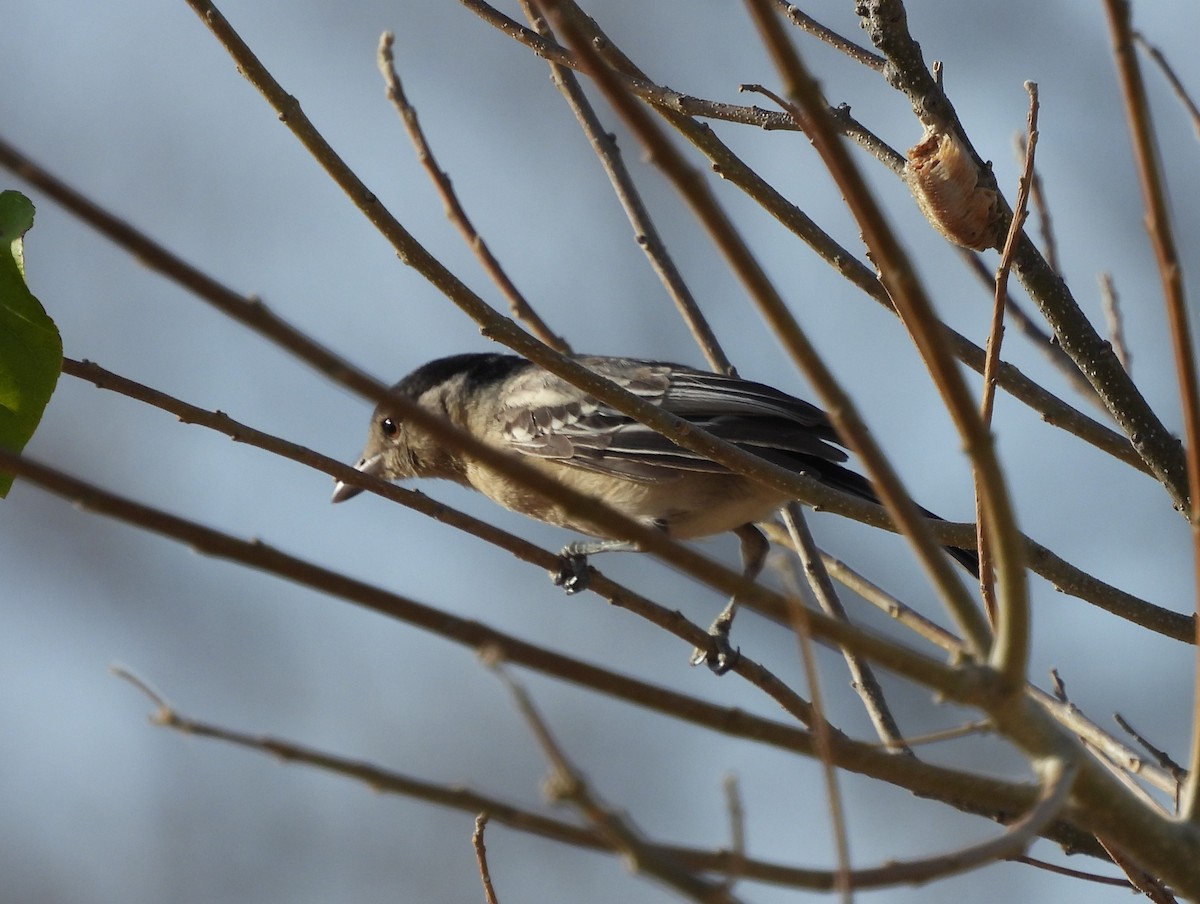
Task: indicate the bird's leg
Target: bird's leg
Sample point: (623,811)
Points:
(574,574)
(720,656)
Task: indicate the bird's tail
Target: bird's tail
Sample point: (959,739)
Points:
(856,485)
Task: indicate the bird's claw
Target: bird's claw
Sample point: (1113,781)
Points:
(718,655)
(573,574)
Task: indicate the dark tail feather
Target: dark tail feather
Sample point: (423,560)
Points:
(856,485)
(967,558)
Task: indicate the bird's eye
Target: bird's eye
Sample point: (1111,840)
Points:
(389,427)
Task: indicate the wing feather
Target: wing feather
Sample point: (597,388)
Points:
(546,417)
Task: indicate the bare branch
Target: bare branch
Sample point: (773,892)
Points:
(1162,238)
(737,830)
(648,238)
(1016,224)
(464,800)
(987,584)
(1147,884)
(1115,322)
(1037,197)
(485,875)
(518,304)
(862,676)
(1073,873)
(1177,772)
(1042,340)
(822,730)
(802,20)
(1175,82)
(568,784)
(1056,787)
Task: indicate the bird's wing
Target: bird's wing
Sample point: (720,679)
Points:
(547,417)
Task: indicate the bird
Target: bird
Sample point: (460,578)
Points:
(515,405)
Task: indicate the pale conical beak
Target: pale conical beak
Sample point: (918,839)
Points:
(343,491)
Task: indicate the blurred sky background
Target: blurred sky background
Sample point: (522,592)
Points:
(135,103)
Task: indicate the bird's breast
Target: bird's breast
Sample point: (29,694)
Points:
(687,504)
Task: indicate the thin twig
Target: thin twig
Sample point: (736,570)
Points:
(1114,752)
(1114,320)
(1041,204)
(648,238)
(862,675)
(856,52)
(1056,788)
(1058,705)
(1162,238)
(568,784)
(1147,884)
(1043,341)
(518,303)
(737,830)
(464,800)
(485,875)
(1113,881)
(1060,687)
(1164,759)
(903,613)
(1175,82)
(995,339)
(822,730)
(969,729)
(1115,757)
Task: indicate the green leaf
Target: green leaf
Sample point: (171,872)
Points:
(30,347)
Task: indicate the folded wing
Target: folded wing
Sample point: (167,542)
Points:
(547,418)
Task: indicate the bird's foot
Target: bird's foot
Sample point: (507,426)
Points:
(573,573)
(719,655)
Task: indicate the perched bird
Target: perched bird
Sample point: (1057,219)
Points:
(515,405)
